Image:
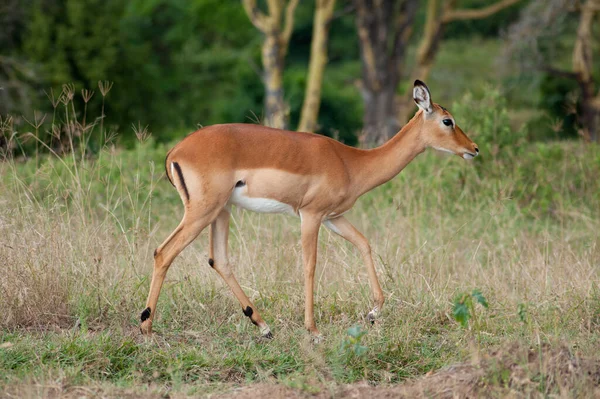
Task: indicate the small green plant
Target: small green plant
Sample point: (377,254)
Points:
(351,345)
(522,312)
(464,306)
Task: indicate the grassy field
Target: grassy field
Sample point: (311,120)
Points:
(516,230)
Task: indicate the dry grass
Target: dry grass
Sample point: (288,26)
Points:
(425,256)
(78,231)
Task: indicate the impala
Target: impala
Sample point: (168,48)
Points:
(303,174)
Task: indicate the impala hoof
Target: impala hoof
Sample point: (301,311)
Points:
(315,335)
(371,317)
(146,328)
(317,339)
(265,331)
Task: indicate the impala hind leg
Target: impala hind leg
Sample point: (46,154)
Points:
(345,229)
(219,233)
(189,228)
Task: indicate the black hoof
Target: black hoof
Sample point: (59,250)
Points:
(371,318)
(268,335)
(317,339)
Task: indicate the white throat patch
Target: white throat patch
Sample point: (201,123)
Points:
(442,149)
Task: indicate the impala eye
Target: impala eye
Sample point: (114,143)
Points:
(447,122)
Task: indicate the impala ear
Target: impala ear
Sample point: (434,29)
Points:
(422,97)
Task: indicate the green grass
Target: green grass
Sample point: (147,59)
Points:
(520,224)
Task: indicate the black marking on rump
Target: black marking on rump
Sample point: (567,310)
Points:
(212,264)
(240,183)
(180,175)
(145,314)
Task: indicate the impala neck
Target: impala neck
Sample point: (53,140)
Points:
(381,164)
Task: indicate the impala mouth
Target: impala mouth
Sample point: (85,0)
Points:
(469,155)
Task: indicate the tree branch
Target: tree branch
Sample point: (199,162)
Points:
(582,52)
(367,50)
(461,15)
(316,66)
(257,17)
(561,72)
(404,30)
(289,22)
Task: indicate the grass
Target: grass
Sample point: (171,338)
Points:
(78,231)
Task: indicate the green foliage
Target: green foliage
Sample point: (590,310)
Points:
(13,20)
(522,312)
(163,69)
(340,113)
(179,64)
(461,312)
(351,345)
(485,118)
(75,41)
(558,98)
(464,306)
(479,298)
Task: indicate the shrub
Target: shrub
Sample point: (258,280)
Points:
(485,119)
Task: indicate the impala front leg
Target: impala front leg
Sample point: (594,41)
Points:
(310,234)
(344,228)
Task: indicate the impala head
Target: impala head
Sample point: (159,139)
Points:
(440,130)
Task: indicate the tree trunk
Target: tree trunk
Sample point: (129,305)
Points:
(590,120)
(379,121)
(277,37)
(275,107)
(318,60)
(582,67)
(384,29)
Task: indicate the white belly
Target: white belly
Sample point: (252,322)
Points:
(261,205)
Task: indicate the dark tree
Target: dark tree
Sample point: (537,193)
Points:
(384,29)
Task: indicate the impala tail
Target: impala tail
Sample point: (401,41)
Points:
(175,175)
(167,169)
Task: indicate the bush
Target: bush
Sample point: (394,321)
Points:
(557,98)
(485,119)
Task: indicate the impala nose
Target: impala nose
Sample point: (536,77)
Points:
(477,149)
